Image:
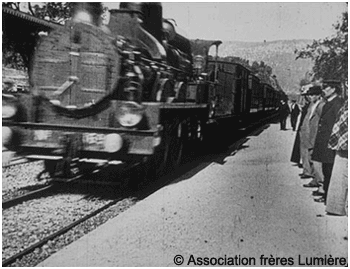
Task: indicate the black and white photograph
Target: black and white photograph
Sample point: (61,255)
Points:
(167,134)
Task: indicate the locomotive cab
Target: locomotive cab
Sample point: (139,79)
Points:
(110,96)
(205,87)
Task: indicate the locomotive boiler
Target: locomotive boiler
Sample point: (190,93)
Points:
(132,92)
(110,95)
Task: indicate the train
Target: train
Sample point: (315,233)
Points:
(133,92)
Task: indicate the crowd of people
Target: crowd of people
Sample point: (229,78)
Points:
(321,144)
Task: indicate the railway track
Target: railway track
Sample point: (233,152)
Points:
(28,196)
(10,160)
(61,231)
(139,194)
(60,184)
(76,186)
(17,161)
(26,252)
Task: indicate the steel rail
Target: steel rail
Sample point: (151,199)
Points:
(28,196)
(43,241)
(18,161)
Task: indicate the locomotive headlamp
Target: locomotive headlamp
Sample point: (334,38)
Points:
(6,135)
(130,114)
(113,142)
(8,111)
(9,108)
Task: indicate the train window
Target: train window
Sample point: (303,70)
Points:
(212,52)
(250,83)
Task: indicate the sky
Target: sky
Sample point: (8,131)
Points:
(253,21)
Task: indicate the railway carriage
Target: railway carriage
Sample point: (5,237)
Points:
(233,79)
(268,96)
(256,94)
(136,92)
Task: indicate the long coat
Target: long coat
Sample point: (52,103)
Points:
(308,130)
(295,158)
(321,152)
(284,111)
(295,111)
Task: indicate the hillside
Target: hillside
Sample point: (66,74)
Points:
(277,54)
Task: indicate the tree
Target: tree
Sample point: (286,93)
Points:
(54,11)
(263,72)
(18,54)
(330,55)
(255,67)
(237,60)
(18,48)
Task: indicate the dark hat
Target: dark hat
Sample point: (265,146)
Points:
(314,90)
(305,88)
(331,82)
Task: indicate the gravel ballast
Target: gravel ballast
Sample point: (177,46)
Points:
(26,224)
(20,179)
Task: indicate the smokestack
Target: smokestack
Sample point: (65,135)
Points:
(89,13)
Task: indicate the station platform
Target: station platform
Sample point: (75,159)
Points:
(238,206)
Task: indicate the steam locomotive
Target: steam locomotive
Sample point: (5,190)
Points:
(135,91)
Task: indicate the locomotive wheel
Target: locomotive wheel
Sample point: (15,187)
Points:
(176,147)
(58,168)
(137,179)
(67,169)
(50,167)
(156,164)
(200,135)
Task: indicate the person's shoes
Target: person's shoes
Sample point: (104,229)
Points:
(317,193)
(305,176)
(311,185)
(320,200)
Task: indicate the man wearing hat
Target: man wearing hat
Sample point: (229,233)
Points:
(322,156)
(294,113)
(284,112)
(295,157)
(338,186)
(308,131)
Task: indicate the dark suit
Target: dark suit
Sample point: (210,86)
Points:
(329,113)
(294,115)
(284,112)
(322,153)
